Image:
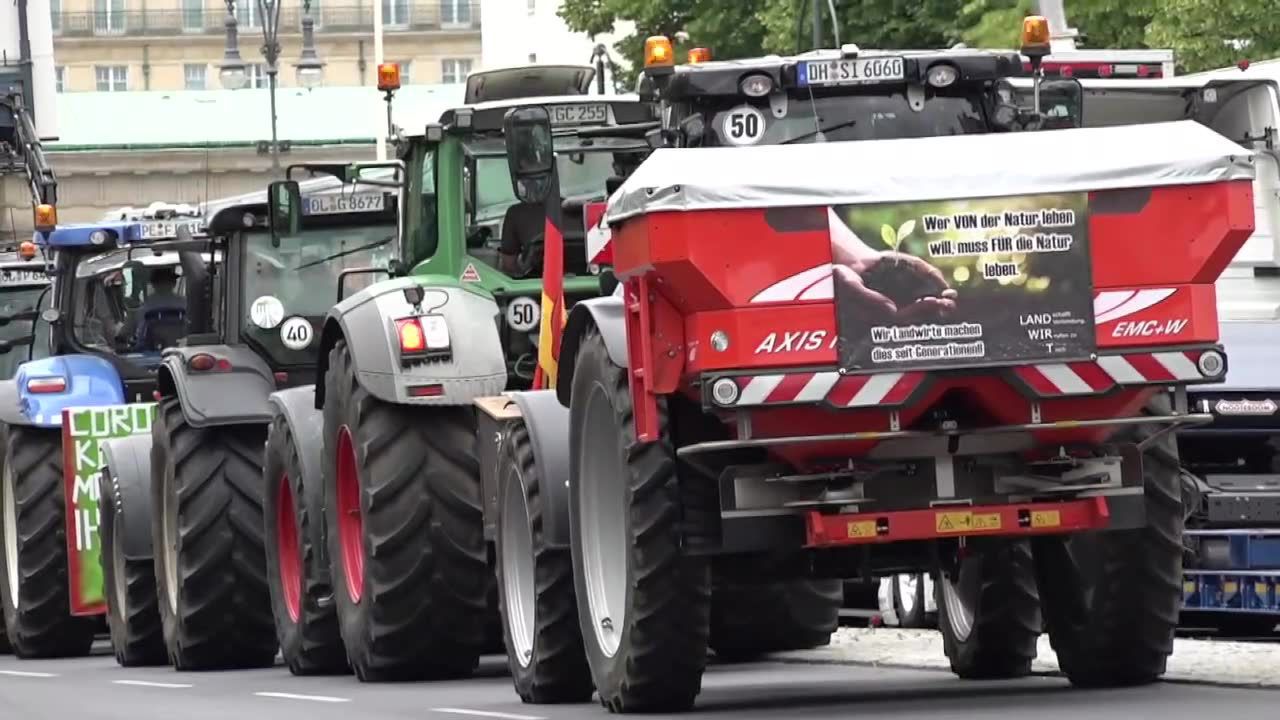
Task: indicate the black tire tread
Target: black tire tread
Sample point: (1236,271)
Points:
(750,620)
(313,644)
(665,640)
(43,627)
(1126,637)
(1007,620)
(223,617)
(137,634)
(558,671)
(427,575)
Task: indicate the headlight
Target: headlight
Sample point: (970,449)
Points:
(941,76)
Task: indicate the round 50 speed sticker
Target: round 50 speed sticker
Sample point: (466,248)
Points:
(523,314)
(743,125)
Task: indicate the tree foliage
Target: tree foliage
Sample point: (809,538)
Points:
(1204,33)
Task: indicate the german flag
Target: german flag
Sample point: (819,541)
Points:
(554,315)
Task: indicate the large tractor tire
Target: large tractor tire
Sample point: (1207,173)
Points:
(5,648)
(535,582)
(34,564)
(750,620)
(133,613)
(407,554)
(989,614)
(644,606)
(207,535)
(1111,599)
(307,630)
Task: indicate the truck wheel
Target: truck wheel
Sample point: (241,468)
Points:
(210,562)
(133,615)
(308,633)
(406,532)
(37,604)
(1111,599)
(989,614)
(909,596)
(644,606)
(750,620)
(535,581)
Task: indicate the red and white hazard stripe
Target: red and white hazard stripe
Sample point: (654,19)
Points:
(829,386)
(1108,371)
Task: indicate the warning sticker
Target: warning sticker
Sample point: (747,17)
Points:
(1045,518)
(470,274)
(962,522)
(1230,587)
(862,529)
(1188,586)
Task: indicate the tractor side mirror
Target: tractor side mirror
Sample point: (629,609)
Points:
(530,153)
(284,209)
(1062,102)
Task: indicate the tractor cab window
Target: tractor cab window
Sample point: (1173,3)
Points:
(17,324)
(508,235)
(291,286)
(843,118)
(421,223)
(129,303)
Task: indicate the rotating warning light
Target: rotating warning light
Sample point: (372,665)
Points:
(658,52)
(389,76)
(699,55)
(46,217)
(27,250)
(1035,36)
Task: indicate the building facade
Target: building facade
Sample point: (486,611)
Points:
(131,45)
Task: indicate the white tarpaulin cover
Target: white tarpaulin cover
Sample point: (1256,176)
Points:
(936,168)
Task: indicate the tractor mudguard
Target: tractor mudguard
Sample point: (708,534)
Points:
(127,460)
(607,315)
(219,397)
(548,424)
(88,381)
(298,406)
(366,320)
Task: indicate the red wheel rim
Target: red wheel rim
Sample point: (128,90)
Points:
(350,524)
(290,553)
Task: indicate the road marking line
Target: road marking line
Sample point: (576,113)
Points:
(486,713)
(22,673)
(314,698)
(147,683)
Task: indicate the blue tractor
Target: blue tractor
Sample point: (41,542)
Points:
(101,328)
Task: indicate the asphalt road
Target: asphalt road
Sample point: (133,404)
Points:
(96,689)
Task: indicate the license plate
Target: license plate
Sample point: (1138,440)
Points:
(161,229)
(22,277)
(593,114)
(336,204)
(859,71)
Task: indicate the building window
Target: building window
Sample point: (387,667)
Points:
(454,70)
(108,17)
(533,6)
(406,71)
(193,15)
(112,78)
(455,12)
(533,57)
(194,76)
(55,14)
(60,75)
(247,14)
(257,74)
(395,12)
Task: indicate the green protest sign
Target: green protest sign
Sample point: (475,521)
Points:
(84,431)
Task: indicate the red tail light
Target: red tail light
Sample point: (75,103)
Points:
(423,336)
(435,390)
(204,362)
(46,385)
(412,339)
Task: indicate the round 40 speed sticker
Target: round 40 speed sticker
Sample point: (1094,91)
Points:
(266,312)
(522,314)
(296,333)
(743,125)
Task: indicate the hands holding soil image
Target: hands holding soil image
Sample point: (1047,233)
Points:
(889,286)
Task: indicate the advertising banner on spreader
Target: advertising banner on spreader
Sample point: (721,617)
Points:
(84,430)
(990,281)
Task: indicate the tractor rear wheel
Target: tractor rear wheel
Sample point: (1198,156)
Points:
(535,581)
(1111,599)
(34,565)
(989,614)
(644,606)
(750,620)
(133,616)
(307,631)
(405,531)
(207,539)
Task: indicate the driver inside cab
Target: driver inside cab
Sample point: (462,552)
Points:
(522,227)
(160,296)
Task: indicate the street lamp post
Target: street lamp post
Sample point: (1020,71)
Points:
(233,71)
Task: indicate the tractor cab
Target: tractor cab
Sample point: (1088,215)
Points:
(328,238)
